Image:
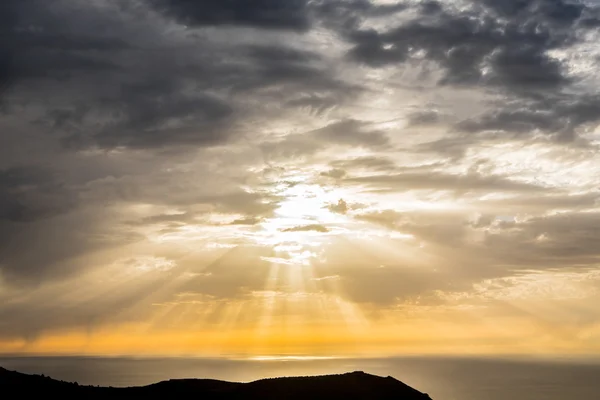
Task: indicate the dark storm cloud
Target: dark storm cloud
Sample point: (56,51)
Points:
(345,15)
(561,115)
(37,44)
(31,193)
(298,70)
(267,14)
(46,250)
(109,75)
(556,11)
(7,18)
(494,45)
(83,65)
(474,46)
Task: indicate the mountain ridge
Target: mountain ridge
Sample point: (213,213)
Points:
(347,386)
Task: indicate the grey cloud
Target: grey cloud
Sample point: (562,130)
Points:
(308,228)
(559,115)
(474,249)
(47,250)
(441,228)
(113,76)
(566,239)
(32,193)
(353,133)
(195,201)
(496,45)
(99,87)
(348,14)
(172,219)
(467,43)
(255,204)
(341,207)
(35,44)
(334,173)
(442,181)
(368,278)
(543,203)
(126,295)
(348,132)
(556,11)
(235,274)
(426,117)
(62,222)
(560,240)
(376,163)
(31,316)
(267,14)
(202,120)
(453,146)
(385,286)
(317,104)
(520,121)
(247,221)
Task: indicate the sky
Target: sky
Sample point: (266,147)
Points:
(299,177)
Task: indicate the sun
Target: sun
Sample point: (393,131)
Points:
(303,222)
(304,205)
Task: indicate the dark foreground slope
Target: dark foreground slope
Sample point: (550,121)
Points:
(350,386)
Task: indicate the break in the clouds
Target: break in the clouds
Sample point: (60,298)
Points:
(174,167)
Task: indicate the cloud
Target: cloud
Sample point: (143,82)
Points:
(427,117)
(247,221)
(443,181)
(341,207)
(32,193)
(474,45)
(308,228)
(453,144)
(348,133)
(59,244)
(131,84)
(266,14)
(494,45)
(564,239)
(334,173)
(376,163)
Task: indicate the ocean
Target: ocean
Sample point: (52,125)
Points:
(441,378)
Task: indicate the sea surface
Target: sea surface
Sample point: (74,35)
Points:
(441,378)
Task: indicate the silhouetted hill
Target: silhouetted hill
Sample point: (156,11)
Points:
(350,386)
